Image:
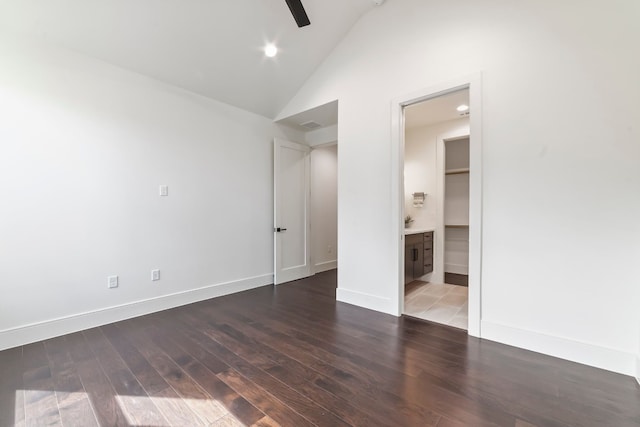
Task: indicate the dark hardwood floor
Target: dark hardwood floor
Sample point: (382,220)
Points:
(292,356)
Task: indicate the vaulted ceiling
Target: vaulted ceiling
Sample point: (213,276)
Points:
(210,47)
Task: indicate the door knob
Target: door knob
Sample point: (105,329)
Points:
(279,230)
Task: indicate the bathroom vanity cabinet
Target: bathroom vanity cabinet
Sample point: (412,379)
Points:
(418,255)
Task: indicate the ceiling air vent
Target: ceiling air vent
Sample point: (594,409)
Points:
(310,125)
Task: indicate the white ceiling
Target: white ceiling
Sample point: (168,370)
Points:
(211,47)
(436,110)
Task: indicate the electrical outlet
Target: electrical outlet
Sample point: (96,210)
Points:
(112,282)
(329,249)
(155,275)
(164,190)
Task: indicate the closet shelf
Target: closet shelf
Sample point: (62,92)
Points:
(457,225)
(456,171)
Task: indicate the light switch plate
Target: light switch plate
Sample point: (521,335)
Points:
(155,275)
(164,190)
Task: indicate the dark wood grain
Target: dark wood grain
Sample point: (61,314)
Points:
(101,393)
(12,409)
(289,372)
(41,405)
(298,402)
(205,377)
(403,410)
(175,410)
(132,397)
(263,399)
(292,356)
(73,401)
(294,359)
(208,407)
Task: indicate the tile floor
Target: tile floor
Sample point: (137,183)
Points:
(439,303)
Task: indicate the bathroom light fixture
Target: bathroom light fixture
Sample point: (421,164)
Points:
(270,50)
(462,108)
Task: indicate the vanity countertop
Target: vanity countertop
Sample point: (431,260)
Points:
(408,231)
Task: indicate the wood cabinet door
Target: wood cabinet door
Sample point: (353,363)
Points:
(418,265)
(408,264)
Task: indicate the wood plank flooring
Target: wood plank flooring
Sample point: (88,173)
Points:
(292,356)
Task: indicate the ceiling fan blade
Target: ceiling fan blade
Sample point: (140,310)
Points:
(298,12)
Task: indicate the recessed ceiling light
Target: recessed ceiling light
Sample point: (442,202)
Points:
(270,50)
(462,108)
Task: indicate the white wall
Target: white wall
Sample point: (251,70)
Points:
(84,147)
(322,136)
(421,174)
(638,360)
(324,207)
(560,161)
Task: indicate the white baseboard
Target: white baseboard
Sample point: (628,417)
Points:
(456,269)
(563,348)
(372,302)
(34,332)
(325,266)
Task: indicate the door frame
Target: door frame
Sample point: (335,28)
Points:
(474,84)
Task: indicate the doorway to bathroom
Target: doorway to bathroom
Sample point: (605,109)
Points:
(436,208)
(472,83)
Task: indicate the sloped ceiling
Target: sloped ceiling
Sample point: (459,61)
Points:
(210,47)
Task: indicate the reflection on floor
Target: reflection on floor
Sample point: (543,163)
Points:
(446,304)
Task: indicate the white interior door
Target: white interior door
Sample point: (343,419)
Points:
(292,258)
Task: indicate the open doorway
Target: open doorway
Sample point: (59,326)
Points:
(428,196)
(315,134)
(436,206)
(324,207)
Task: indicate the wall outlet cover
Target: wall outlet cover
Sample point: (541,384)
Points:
(155,275)
(112,282)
